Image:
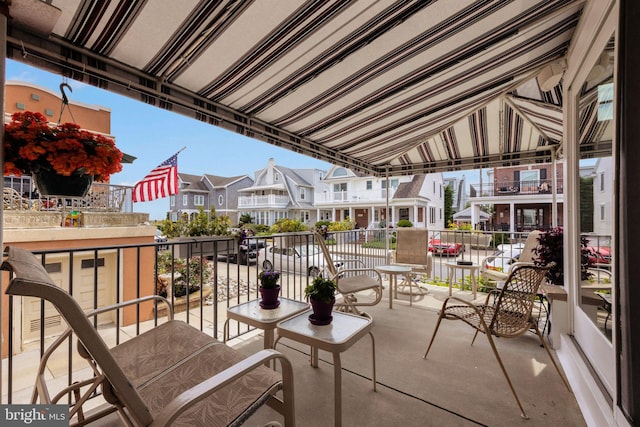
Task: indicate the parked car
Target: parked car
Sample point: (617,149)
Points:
(598,255)
(504,256)
(437,247)
(294,259)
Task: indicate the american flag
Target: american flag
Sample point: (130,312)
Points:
(162,181)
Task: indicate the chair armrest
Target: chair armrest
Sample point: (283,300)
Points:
(485,260)
(135,301)
(342,271)
(197,393)
(351,260)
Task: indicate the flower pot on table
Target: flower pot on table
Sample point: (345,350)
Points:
(321,311)
(269,297)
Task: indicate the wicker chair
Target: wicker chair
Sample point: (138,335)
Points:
(509,317)
(352,277)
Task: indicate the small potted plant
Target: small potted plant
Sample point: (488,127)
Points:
(269,289)
(321,294)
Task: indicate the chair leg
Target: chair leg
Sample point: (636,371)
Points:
(506,375)
(551,357)
(435,331)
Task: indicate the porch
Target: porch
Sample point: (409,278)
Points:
(458,384)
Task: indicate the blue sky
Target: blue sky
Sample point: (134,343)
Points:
(152,135)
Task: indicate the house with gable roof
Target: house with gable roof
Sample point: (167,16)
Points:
(363,198)
(210,192)
(281,192)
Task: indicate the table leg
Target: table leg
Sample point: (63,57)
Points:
(268,338)
(225,331)
(373,357)
(390,290)
(474,284)
(337,389)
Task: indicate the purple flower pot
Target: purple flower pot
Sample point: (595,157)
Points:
(269,297)
(321,312)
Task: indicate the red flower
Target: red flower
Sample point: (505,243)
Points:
(32,144)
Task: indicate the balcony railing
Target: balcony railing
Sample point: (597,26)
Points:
(524,188)
(378,195)
(269,200)
(101,198)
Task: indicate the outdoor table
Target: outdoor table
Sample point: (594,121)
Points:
(338,336)
(472,268)
(393,271)
(253,315)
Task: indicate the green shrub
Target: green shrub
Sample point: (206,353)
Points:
(404,223)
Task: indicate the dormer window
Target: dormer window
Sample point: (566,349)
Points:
(276,177)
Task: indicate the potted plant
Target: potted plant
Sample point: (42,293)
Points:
(269,289)
(321,294)
(63,159)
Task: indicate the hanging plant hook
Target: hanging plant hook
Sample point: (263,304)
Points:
(65,100)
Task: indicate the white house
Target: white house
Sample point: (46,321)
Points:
(418,198)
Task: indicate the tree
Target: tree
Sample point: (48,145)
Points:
(448,204)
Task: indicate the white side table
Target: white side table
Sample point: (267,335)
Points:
(338,336)
(393,271)
(253,315)
(472,268)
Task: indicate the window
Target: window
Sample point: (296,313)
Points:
(601,181)
(20,106)
(432,215)
(393,183)
(340,172)
(602,213)
(305,216)
(48,112)
(302,194)
(276,176)
(369,185)
(198,200)
(35,97)
(90,263)
(174,216)
(403,213)
(172,200)
(340,187)
(185,200)
(220,200)
(434,187)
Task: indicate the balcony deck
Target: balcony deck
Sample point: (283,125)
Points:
(458,385)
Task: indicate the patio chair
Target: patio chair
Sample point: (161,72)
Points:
(411,250)
(509,317)
(352,277)
(526,258)
(172,374)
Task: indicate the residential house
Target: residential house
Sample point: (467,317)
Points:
(209,192)
(280,192)
(365,199)
(522,197)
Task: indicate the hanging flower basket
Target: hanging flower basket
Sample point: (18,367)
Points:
(50,183)
(63,159)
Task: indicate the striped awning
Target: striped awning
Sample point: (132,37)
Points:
(398,87)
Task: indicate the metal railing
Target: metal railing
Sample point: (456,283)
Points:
(505,188)
(101,198)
